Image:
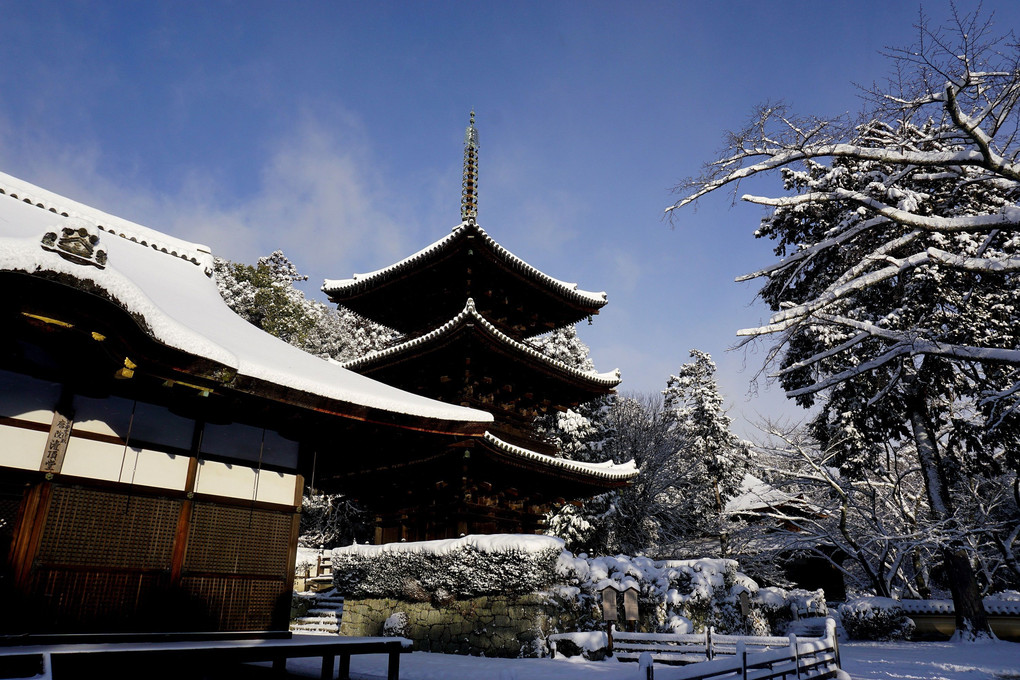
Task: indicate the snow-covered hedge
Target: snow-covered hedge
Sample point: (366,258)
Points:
(449,569)
(776,609)
(875,618)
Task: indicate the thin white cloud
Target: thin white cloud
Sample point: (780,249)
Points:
(318,198)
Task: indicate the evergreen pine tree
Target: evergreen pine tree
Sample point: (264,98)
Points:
(693,402)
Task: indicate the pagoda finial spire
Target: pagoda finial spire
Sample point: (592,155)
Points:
(469,185)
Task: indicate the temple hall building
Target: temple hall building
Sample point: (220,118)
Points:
(153,444)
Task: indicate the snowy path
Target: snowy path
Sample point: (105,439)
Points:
(931,660)
(862,660)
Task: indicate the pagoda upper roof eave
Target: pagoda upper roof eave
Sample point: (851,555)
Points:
(597,381)
(339,289)
(600,474)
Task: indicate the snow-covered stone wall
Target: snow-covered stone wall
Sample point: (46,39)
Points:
(493,625)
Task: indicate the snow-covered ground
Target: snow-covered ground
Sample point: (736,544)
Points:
(862,660)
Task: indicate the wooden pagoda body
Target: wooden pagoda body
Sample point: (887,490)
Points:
(467,307)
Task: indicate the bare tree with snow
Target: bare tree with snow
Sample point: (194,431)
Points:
(896,294)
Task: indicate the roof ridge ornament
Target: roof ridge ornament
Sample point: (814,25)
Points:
(469,184)
(77,241)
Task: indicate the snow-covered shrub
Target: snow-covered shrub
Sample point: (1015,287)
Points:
(773,608)
(300,603)
(396,625)
(673,595)
(448,569)
(875,618)
(592,645)
(778,608)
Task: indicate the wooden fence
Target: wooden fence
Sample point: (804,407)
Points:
(733,656)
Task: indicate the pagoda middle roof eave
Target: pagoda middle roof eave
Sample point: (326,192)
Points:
(597,381)
(599,474)
(339,289)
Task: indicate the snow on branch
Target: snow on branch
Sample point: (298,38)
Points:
(975,264)
(1008,217)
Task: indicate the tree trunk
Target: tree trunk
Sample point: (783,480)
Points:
(920,575)
(971,619)
(723,538)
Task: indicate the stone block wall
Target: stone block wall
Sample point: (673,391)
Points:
(495,625)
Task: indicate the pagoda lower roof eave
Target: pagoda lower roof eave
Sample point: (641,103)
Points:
(470,317)
(608,474)
(337,289)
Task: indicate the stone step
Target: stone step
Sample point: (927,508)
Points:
(309,624)
(308,630)
(324,614)
(313,621)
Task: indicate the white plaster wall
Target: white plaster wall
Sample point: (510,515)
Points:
(222,479)
(21,448)
(95,460)
(155,468)
(276,487)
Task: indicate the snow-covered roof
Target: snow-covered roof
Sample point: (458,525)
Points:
(756,495)
(360,282)
(1001,604)
(471,315)
(610,471)
(168,284)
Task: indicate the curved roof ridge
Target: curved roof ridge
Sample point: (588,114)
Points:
(608,379)
(606,470)
(569,290)
(361,280)
(195,253)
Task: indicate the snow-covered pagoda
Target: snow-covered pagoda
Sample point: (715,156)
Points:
(153,444)
(466,308)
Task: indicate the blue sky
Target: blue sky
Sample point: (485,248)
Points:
(334,130)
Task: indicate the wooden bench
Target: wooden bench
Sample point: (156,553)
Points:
(185,654)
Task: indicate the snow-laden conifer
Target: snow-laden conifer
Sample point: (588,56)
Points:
(264,295)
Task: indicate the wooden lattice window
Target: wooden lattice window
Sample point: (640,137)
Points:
(229,540)
(103,529)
